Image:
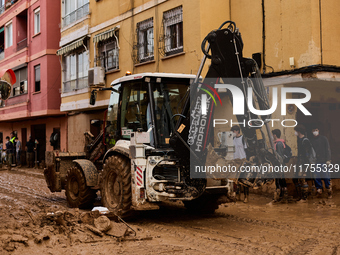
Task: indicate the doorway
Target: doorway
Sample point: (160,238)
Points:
(23,140)
(39,133)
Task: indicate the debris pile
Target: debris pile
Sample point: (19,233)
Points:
(66,228)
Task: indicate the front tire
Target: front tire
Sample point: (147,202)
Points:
(78,195)
(116,185)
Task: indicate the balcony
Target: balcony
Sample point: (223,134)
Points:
(76,14)
(2,9)
(22,44)
(9,3)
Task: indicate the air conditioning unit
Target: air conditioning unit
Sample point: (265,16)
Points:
(96,76)
(23,87)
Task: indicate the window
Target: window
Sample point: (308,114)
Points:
(173,31)
(135,102)
(109,54)
(37,78)
(112,117)
(75,70)
(2,43)
(20,86)
(74,10)
(145,45)
(9,35)
(37,21)
(168,98)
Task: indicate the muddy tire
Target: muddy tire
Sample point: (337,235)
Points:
(78,195)
(205,204)
(116,185)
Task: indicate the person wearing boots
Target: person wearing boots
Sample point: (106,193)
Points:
(323,159)
(240,153)
(306,156)
(281,192)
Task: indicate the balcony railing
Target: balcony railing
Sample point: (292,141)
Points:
(22,44)
(77,14)
(2,9)
(9,3)
(76,84)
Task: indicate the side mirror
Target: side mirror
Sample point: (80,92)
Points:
(5,90)
(93,97)
(96,123)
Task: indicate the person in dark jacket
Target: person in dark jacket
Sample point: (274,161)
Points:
(9,152)
(306,157)
(323,159)
(30,152)
(281,185)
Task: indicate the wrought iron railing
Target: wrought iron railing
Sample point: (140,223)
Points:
(77,14)
(2,9)
(110,61)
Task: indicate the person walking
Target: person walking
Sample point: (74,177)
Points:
(18,151)
(280,183)
(323,159)
(240,153)
(306,157)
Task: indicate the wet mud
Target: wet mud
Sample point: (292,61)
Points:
(35,221)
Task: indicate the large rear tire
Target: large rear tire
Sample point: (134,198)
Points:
(205,204)
(116,185)
(78,195)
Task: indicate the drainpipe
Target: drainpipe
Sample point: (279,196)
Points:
(132,29)
(94,55)
(66,133)
(263,37)
(29,78)
(320,16)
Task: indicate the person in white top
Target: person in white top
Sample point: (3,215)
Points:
(240,153)
(18,151)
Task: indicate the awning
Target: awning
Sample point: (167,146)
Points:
(105,35)
(70,47)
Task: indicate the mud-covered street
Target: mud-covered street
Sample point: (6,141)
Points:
(236,228)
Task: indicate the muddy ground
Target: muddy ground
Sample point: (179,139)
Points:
(235,228)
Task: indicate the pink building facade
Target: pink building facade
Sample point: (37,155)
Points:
(29,39)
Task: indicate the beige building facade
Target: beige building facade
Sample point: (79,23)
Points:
(102,40)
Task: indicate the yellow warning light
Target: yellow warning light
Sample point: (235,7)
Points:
(128,73)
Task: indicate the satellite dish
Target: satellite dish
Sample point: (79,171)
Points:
(5,90)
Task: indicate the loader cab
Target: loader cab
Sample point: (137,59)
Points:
(148,102)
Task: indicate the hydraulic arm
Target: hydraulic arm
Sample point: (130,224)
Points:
(194,130)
